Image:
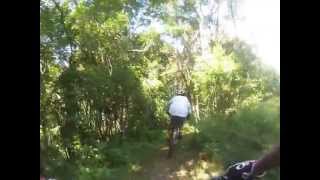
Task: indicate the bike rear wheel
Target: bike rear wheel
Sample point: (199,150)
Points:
(173,138)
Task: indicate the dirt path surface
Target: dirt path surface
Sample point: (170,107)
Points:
(184,165)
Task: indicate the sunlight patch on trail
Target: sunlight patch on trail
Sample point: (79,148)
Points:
(186,164)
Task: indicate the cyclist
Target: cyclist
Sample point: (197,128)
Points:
(179,109)
(250,170)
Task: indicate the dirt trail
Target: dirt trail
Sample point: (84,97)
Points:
(184,165)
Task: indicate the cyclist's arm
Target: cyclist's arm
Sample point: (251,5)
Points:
(268,161)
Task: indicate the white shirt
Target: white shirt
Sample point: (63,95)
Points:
(179,106)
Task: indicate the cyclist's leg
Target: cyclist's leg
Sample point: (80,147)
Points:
(175,128)
(181,121)
(170,128)
(171,132)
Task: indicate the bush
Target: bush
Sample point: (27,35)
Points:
(246,135)
(105,160)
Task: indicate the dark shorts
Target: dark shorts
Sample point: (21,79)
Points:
(177,121)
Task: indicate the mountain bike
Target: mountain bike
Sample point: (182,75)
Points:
(174,134)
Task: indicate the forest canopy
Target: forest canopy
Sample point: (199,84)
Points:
(107,75)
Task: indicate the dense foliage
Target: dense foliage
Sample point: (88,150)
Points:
(105,84)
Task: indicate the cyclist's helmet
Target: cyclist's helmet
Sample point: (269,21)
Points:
(180,92)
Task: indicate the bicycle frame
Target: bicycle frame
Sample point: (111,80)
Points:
(173,138)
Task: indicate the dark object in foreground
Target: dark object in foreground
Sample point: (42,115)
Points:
(237,172)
